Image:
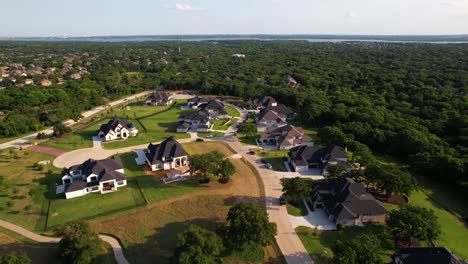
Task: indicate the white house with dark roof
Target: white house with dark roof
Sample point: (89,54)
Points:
(159,98)
(93,176)
(215,109)
(117,129)
(167,155)
(198,121)
(196,102)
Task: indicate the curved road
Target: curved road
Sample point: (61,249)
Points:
(116,247)
(23,141)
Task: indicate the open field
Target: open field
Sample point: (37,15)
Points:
(318,243)
(149,233)
(41,253)
(24,189)
(75,140)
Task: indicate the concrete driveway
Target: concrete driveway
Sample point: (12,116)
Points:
(314,219)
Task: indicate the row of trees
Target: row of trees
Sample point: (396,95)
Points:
(247,231)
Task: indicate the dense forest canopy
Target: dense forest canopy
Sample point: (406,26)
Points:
(404,100)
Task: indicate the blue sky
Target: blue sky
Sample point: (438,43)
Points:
(152,17)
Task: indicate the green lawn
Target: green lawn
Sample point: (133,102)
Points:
(232,111)
(296,209)
(212,133)
(318,243)
(24,190)
(92,205)
(277,163)
(76,140)
(454,233)
(158,127)
(153,188)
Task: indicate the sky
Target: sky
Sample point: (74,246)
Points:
(40,18)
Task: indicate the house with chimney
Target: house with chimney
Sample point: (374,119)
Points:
(92,176)
(167,155)
(159,98)
(346,202)
(285,137)
(117,129)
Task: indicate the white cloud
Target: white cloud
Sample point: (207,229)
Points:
(187,7)
(351,14)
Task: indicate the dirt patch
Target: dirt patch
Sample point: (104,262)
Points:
(394,199)
(46,150)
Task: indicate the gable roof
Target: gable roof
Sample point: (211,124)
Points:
(169,148)
(213,105)
(159,96)
(280,109)
(271,115)
(263,100)
(349,199)
(303,155)
(114,123)
(288,136)
(427,255)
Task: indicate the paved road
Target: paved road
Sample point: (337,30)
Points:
(116,247)
(22,142)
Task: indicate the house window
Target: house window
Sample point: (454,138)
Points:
(120,182)
(93,178)
(67,181)
(95,188)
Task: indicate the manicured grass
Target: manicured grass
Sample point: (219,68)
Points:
(24,191)
(296,209)
(92,205)
(248,140)
(76,140)
(223,124)
(152,187)
(204,147)
(212,133)
(277,164)
(454,233)
(318,243)
(158,127)
(232,111)
(272,153)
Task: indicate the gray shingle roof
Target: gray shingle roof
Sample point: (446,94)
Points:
(169,148)
(113,123)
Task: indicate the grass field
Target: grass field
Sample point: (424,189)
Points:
(295,209)
(41,253)
(318,243)
(92,205)
(23,189)
(212,133)
(223,124)
(149,233)
(232,111)
(76,140)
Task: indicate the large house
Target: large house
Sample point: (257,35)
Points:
(117,129)
(268,121)
(215,109)
(285,137)
(262,101)
(93,176)
(347,203)
(426,255)
(168,155)
(303,158)
(197,102)
(199,121)
(159,98)
(280,109)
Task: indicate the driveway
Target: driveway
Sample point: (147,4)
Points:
(314,219)
(23,141)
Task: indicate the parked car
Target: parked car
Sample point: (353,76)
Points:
(209,136)
(199,140)
(282,200)
(268,166)
(264,161)
(251,152)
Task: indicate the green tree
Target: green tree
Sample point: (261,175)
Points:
(198,245)
(248,129)
(413,223)
(225,170)
(79,244)
(15,258)
(363,249)
(249,223)
(331,135)
(295,189)
(60,129)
